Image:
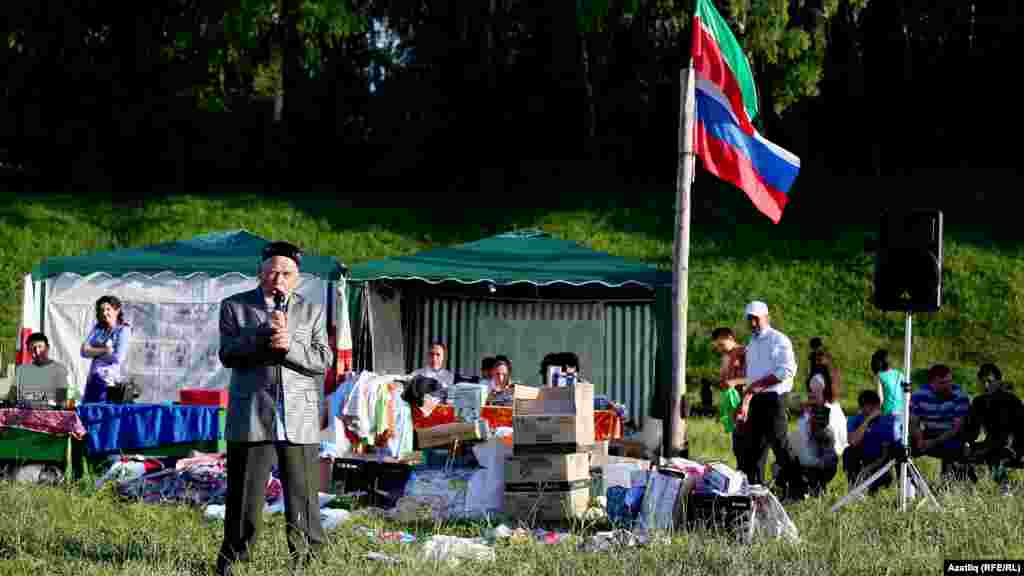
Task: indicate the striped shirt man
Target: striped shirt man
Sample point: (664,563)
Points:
(938,408)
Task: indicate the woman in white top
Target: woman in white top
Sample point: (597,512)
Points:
(821,438)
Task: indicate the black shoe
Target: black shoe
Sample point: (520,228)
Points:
(224,568)
(299,562)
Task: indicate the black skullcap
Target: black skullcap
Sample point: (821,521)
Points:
(280,248)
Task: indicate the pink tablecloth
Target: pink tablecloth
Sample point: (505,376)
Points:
(45,421)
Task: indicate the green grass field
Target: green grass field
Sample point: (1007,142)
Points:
(78,530)
(815,276)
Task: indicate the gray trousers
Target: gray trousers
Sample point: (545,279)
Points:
(248,469)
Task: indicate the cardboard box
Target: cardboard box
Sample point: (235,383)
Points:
(468,400)
(570,500)
(532,401)
(445,434)
(547,468)
(553,416)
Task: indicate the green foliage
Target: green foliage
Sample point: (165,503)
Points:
(801,79)
(267,79)
(183,40)
(331,19)
(792,50)
(592,15)
(248,21)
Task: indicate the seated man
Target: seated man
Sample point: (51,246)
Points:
(568,364)
(43,375)
(937,412)
(1001,414)
(871,436)
(435,365)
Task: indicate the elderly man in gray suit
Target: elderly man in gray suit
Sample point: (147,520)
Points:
(275,344)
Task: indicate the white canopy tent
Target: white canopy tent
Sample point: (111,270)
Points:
(171,294)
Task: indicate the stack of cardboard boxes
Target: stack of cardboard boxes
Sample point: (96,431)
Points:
(548,476)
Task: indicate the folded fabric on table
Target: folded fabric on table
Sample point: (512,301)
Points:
(46,421)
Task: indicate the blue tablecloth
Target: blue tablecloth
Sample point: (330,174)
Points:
(126,427)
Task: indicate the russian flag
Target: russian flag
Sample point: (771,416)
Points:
(726,101)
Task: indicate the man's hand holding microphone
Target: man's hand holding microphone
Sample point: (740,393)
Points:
(279,339)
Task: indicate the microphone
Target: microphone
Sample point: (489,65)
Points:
(278,301)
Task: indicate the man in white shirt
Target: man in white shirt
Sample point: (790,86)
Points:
(435,365)
(771,366)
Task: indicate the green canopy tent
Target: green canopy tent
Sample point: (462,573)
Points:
(213,254)
(522,294)
(171,294)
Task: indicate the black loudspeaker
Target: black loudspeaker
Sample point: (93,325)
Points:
(908,263)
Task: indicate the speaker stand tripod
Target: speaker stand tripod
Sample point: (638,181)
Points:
(909,473)
(914,477)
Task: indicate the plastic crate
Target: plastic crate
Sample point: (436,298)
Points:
(382,482)
(730,514)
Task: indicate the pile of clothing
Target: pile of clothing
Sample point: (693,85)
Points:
(201,479)
(374,414)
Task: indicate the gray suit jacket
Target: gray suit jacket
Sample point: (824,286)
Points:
(245,349)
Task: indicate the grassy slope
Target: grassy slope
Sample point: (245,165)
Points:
(816,278)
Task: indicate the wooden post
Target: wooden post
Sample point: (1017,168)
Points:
(674,427)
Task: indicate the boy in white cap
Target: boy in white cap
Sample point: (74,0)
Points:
(771,366)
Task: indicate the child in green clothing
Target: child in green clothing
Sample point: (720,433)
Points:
(732,405)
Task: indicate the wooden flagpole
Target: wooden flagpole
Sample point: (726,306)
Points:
(674,427)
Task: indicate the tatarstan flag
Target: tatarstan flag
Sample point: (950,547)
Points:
(726,101)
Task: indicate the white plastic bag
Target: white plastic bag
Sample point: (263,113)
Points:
(455,549)
(486,490)
(770,519)
(330,518)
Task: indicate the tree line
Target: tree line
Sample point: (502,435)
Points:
(485,94)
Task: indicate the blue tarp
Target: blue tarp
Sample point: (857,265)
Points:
(126,427)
